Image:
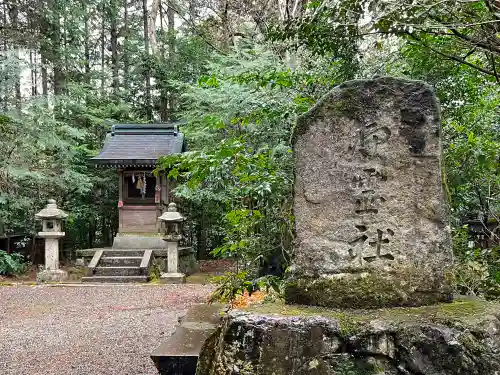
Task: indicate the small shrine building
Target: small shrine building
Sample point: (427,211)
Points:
(133,150)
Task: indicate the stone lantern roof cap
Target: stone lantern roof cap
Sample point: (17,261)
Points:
(51,212)
(171,216)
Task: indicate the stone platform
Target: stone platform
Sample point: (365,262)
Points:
(179,354)
(460,338)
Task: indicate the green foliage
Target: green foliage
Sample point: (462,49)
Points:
(12,264)
(325,29)
(230,285)
(472,278)
(46,156)
(478,270)
(154,272)
(241,160)
(453,30)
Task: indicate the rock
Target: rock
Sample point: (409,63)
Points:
(80,262)
(370,211)
(461,338)
(51,275)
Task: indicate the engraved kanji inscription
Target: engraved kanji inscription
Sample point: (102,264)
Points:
(368,248)
(368,179)
(370,137)
(368,201)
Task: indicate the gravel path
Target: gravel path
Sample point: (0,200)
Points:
(88,330)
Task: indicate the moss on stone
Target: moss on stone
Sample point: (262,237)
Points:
(462,312)
(200,278)
(405,286)
(348,100)
(347,103)
(346,365)
(472,344)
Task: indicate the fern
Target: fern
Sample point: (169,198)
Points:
(12,264)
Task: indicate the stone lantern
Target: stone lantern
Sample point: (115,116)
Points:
(51,218)
(173,221)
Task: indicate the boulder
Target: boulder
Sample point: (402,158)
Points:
(460,338)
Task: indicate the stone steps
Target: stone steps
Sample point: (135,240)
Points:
(120,261)
(118,271)
(128,253)
(115,279)
(119,266)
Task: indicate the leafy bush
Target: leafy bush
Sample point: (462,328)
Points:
(230,285)
(478,270)
(12,264)
(472,278)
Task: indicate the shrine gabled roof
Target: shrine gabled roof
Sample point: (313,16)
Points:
(139,145)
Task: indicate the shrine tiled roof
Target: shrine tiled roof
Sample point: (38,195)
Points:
(139,145)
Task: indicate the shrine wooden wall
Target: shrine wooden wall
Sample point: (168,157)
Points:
(140,219)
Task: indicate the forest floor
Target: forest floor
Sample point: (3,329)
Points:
(94,330)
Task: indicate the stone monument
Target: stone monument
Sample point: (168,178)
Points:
(51,218)
(372,231)
(370,209)
(172,220)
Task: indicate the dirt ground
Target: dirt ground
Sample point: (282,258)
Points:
(94,330)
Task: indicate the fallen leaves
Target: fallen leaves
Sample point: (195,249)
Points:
(247,299)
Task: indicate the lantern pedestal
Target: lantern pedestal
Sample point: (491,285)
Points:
(173,276)
(172,220)
(52,275)
(51,218)
(51,271)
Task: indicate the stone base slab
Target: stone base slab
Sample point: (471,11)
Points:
(172,278)
(52,275)
(406,287)
(459,338)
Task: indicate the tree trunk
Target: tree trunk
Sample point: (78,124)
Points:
(171,53)
(153,15)
(45,48)
(227,37)
(5,94)
(125,45)
(45,75)
(91,234)
(163,89)
(86,50)
(33,54)
(13,15)
(57,64)
(33,73)
(147,72)
(193,4)
(114,48)
(103,41)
